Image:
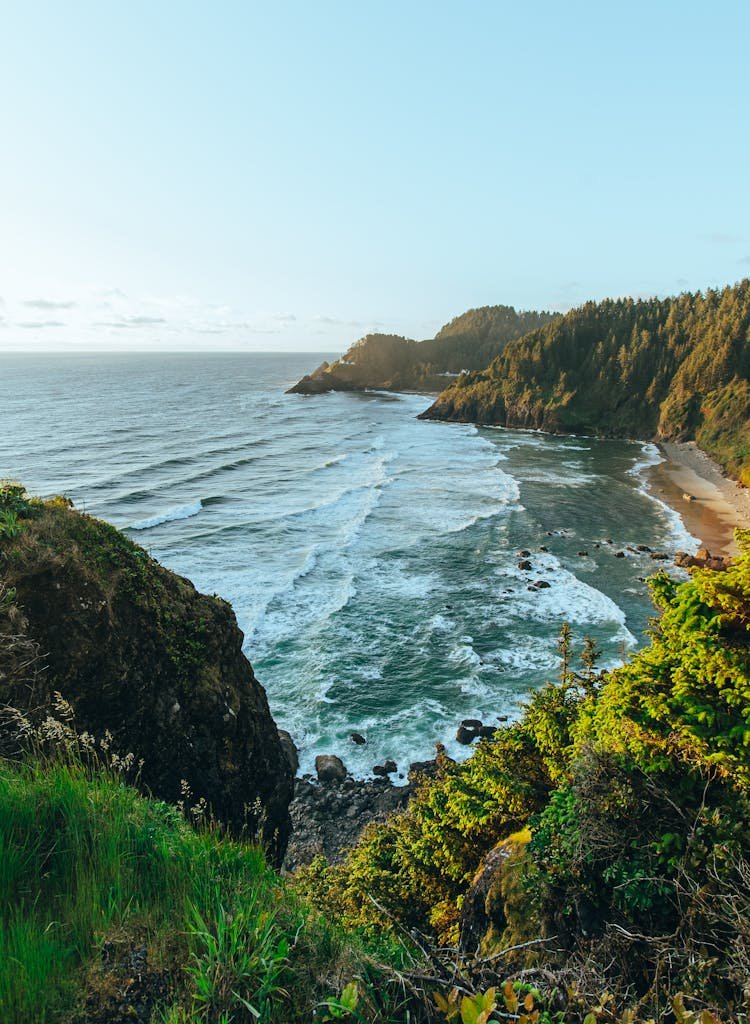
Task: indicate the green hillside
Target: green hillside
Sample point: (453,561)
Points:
(676,368)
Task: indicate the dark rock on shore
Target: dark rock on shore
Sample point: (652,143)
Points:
(328,817)
(702,559)
(330,768)
(473,728)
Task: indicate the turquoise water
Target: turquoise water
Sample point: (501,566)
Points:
(371,558)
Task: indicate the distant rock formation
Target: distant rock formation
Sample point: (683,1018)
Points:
(390,362)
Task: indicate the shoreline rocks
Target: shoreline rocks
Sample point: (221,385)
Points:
(329,816)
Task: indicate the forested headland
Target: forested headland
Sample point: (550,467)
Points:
(673,369)
(394,363)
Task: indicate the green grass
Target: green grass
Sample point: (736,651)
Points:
(85,859)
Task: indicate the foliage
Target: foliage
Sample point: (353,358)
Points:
(636,788)
(674,368)
(687,694)
(87,865)
(15,506)
(418,864)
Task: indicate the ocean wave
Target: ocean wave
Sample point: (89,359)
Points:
(171,515)
(567,598)
(464,654)
(682,538)
(651,456)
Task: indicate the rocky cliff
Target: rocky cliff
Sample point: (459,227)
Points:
(391,362)
(138,652)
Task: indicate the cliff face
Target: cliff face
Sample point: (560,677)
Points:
(392,363)
(661,368)
(138,651)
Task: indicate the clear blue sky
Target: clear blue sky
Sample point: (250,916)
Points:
(291,175)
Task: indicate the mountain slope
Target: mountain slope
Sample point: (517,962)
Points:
(392,362)
(676,368)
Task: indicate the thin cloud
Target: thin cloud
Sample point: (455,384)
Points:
(132,321)
(38,324)
(334,321)
(284,318)
(720,237)
(50,304)
(744,259)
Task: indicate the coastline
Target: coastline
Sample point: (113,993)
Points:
(719,505)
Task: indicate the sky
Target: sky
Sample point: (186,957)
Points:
(289,176)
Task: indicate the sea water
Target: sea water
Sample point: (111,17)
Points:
(372,558)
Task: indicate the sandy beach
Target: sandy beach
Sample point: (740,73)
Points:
(718,503)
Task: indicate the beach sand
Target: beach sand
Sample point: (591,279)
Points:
(719,503)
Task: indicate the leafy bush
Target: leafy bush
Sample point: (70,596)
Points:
(636,788)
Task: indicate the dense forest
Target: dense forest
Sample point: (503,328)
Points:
(392,362)
(676,368)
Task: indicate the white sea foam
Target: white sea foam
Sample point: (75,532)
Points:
(464,654)
(650,456)
(171,515)
(681,536)
(441,624)
(413,586)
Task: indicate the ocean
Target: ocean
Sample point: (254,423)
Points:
(372,559)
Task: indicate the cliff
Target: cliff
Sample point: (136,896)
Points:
(393,363)
(138,652)
(673,369)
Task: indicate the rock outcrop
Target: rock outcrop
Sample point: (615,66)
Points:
(139,653)
(702,559)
